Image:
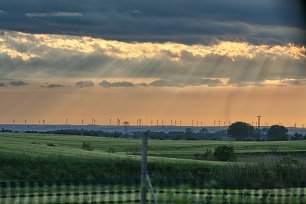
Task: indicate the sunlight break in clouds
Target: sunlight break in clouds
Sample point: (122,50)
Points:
(41,55)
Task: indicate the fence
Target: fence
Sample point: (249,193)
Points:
(128,191)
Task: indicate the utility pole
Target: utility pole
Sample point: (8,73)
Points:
(143,190)
(258,123)
(82,122)
(180,123)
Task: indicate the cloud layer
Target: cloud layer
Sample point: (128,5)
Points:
(18,83)
(199,21)
(84,84)
(40,55)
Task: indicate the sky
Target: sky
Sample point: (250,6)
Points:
(200,61)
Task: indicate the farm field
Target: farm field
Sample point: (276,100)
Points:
(166,157)
(47,157)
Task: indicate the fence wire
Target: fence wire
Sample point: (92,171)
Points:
(128,191)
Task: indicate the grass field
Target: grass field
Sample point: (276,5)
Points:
(46,157)
(119,157)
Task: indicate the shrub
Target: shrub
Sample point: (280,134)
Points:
(225,153)
(50,144)
(288,160)
(206,156)
(87,147)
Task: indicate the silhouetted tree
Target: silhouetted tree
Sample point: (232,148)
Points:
(277,132)
(240,131)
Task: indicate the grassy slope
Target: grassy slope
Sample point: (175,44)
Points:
(27,156)
(15,141)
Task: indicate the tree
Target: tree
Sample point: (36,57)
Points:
(203,131)
(277,132)
(240,131)
(225,153)
(297,136)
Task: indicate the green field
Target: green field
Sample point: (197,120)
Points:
(46,157)
(27,156)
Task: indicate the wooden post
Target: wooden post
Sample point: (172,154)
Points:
(143,190)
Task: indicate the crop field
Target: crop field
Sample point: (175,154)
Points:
(45,157)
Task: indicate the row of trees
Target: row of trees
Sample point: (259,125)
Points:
(244,131)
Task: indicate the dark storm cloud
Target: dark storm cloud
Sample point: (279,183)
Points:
(199,21)
(190,82)
(84,84)
(106,84)
(164,83)
(53,86)
(18,83)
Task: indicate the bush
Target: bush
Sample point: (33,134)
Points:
(225,153)
(87,147)
(50,144)
(288,160)
(206,156)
